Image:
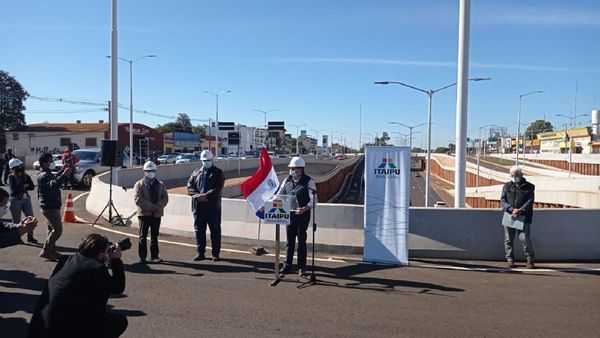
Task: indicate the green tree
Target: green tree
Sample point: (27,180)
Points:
(382,141)
(182,123)
(200,130)
(12,97)
(536,127)
(441,150)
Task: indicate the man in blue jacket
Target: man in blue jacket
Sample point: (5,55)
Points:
(517,199)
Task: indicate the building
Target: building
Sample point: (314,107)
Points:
(557,142)
(250,138)
(182,142)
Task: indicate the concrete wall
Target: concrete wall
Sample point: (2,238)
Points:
(559,234)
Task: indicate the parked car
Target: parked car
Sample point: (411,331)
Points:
(89,165)
(188,158)
(440,204)
(166,159)
(55,157)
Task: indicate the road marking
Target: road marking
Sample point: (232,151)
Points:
(461,268)
(79,196)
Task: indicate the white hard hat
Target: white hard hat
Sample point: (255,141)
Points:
(15,162)
(206,155)
(149,166)
(296,162)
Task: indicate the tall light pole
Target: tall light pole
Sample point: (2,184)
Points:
(298,126)
(429,93)
(410,128)
(114,73)
(265,112)
(478,155)
(317,133)
(131,62)
(573,119)
(519,121)
(217,119)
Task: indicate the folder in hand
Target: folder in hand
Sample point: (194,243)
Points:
(513,222)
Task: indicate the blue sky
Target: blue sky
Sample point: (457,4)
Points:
(313,61)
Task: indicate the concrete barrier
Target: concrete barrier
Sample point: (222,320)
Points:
(557,234)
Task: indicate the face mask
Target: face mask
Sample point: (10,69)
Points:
(517,179)
(293,173)
(150,175)
(3,210)
(206,165)
(52,166)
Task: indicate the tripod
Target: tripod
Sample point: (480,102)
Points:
(313,277)
(110,206)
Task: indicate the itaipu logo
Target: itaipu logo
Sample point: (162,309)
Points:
(277,211)
(386,168)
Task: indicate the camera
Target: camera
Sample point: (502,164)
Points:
(124,244)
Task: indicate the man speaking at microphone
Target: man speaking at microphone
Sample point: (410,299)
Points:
(302,187)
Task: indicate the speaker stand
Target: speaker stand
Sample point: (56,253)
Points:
(117,220)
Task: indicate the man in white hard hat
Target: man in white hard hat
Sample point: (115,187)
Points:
(151,197)
(518,197)
(205,186)
(20,185)
(302,187)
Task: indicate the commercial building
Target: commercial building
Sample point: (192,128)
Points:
(559,142)
(182,142)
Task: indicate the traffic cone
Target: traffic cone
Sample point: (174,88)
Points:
(69,215)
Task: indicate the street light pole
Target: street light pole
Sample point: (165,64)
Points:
(297,136)
(429,93)
(265,112)
(217,119)
(410,128)
(570,134)
(478,155)
(131,62)
(519,121)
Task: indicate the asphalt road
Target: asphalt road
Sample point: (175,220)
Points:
(417,191)
(432,298)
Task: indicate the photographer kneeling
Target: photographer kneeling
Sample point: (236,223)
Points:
(73,303)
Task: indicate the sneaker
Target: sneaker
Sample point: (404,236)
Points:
(285,269)
(48,256)
(156,260)
(32,240)
(530,264)
(216,258)
(301,272)
(510,263)
(199,257)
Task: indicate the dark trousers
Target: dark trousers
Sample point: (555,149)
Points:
(212,217)
(5,175)
(115,325)
(152,223)
(68,182)
(1,175)
(297,228)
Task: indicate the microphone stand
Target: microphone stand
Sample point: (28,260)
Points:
(312,280)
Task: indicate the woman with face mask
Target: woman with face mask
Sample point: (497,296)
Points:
(20,203)
(151,197)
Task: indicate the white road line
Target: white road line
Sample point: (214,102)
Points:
(461,268)
(79,196)
(222,249)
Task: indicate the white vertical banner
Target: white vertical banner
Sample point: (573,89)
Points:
(387,194)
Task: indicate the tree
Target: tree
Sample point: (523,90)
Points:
(382,141)
(12,97)
(182,123)
(441,150)
(536,127)
(199,130)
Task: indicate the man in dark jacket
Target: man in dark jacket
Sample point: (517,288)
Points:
(517,199)
(50,201)
(205,186)
(301,186)
(73,303)
(10,233)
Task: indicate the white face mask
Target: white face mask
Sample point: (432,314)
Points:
(293,173)
(52,165)
(150,175)
(517,179)
(3,210)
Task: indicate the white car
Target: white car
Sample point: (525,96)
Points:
(55,157)
(167,159)
(188,158)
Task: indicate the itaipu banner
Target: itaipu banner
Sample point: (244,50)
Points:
(387,188)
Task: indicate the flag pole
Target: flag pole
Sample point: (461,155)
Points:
(258,250)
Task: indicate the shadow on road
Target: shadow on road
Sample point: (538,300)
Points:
(21,299)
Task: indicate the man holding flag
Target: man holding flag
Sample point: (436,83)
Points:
(260,187)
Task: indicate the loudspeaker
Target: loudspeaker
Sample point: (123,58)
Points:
(112,154)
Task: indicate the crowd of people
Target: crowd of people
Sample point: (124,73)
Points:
(75,297)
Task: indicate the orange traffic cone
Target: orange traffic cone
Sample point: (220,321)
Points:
(69,215)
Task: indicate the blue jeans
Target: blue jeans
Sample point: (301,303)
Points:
(524,237)
(211,217)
